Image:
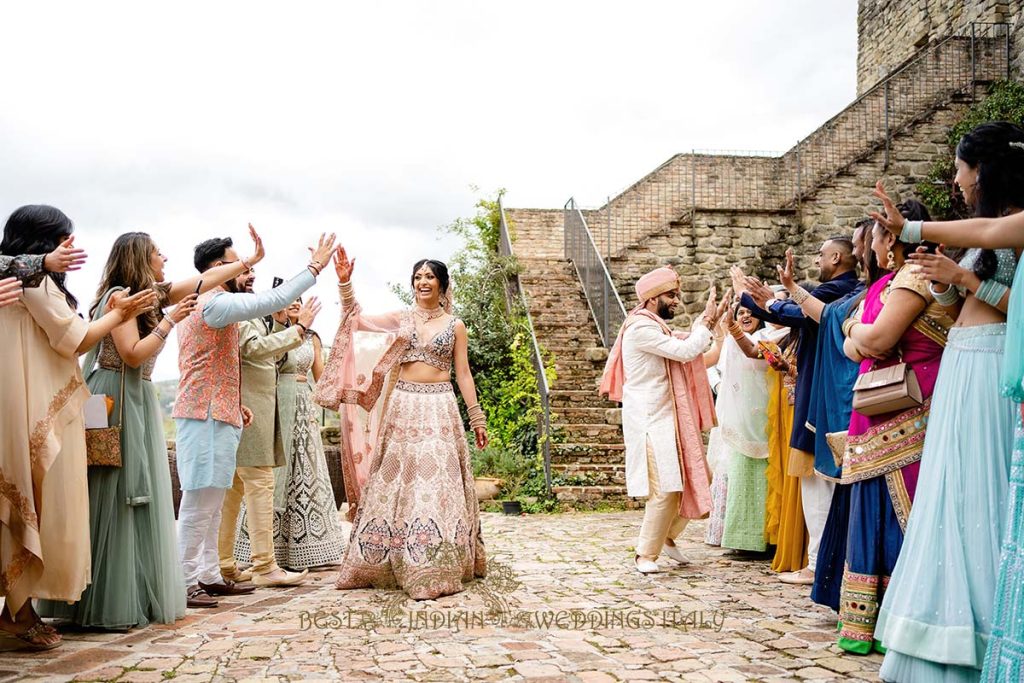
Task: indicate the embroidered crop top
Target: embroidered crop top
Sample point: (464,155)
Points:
(437,352)
(1007,265)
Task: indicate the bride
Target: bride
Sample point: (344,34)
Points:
(416,520)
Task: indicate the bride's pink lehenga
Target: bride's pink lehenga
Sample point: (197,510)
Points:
(417,522)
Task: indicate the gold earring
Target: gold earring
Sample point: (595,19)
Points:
(891,264)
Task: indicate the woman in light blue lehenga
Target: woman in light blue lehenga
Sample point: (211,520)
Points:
(943,604)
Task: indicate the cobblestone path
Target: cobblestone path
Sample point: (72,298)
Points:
(573,608)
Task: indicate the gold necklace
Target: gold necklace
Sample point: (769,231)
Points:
(425,315)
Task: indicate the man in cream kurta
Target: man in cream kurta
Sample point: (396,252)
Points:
(261,448)
(649,420)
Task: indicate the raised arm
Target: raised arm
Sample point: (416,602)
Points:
(30,269)
(224,309)
(650,338)
(1006,232)
(215,277)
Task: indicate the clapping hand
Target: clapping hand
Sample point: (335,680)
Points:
(246,416)
(184,308)
(10,291)
(308,312)
(321,253)
(738,280)
(131,305)
(893,220)
(758,291)
(786,272)
(65,258)
(258,251)
(342,265)
(938,267)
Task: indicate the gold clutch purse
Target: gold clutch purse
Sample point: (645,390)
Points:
(103,445)
(887,390)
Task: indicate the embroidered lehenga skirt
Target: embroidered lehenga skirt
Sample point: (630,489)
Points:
(418,523)
(937,615)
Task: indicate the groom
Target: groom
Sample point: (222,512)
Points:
(666,402)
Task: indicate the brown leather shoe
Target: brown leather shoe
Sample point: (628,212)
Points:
(197,597)
(227,587)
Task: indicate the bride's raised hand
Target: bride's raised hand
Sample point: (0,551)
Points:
(342,265)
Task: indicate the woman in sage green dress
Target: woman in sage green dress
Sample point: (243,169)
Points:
(136,573)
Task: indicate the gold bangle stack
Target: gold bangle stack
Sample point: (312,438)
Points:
(477,419)
(347,293)
(800,295)
(848,326)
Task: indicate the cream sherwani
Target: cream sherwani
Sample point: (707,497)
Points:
(648,411)
(649,426)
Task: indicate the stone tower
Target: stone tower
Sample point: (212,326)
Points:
(889,32)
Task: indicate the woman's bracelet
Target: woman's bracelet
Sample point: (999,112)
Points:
(991,292)
(946,298)
(477,419)
(168,319)
(314,267)
(245,263)
(911,233)
(849,325)
(347,294)
(800,295)
(160,333)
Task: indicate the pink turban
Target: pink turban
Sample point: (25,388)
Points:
(658,281)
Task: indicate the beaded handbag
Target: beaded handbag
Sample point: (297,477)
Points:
(103,445)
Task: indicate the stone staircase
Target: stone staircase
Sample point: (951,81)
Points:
(587,460)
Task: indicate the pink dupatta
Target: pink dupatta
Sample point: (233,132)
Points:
(694,409)
(366,350)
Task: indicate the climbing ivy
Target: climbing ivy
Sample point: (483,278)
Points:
(1005,102)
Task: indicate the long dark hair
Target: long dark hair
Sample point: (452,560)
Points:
(129,266)
(1000,185)
(39,229)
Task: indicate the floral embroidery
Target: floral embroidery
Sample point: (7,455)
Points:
(209,364)
(423,535)
(44,426)
(27,268)
(375,541)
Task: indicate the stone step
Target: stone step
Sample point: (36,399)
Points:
(588,453)
(583,415)
(579,474)
(594,495)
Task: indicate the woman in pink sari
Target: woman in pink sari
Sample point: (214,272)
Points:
(405,459)
(898,321)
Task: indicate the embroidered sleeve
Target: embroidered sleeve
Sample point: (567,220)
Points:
(906,279)
(28,268)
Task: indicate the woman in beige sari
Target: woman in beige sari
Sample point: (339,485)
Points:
(417,523)
(44,509)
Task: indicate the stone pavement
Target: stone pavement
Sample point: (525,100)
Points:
(562,604)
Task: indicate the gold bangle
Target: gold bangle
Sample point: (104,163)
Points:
(800,295)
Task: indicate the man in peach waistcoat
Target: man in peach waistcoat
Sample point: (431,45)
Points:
(209,413)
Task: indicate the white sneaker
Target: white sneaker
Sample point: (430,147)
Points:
(645,566)
(675,553)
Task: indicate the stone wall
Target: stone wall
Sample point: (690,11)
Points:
(702,248)
(890,31)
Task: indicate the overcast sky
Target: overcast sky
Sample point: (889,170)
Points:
(378,119)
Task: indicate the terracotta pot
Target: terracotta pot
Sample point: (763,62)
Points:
(487,488)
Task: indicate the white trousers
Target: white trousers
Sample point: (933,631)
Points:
(816,499)
(198,522)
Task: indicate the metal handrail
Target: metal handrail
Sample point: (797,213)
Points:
(951,66)
(515,293)
(606,307)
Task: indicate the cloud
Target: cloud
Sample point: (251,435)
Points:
(376,119)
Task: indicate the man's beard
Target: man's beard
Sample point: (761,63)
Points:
(231,286)
(665,311)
